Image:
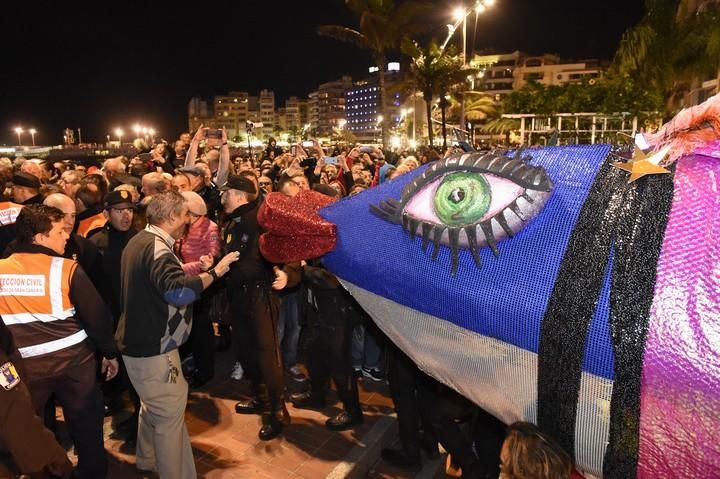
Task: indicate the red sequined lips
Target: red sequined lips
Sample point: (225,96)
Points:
(294,229)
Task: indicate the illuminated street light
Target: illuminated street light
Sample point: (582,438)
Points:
(32,135)
(136,128)
(151,131)
(459,14)
(19,132)
(119,133)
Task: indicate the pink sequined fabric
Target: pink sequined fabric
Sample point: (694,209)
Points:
(680,403)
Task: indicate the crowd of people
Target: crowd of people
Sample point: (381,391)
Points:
(122,280)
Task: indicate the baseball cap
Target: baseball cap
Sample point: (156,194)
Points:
(238,182)
(118,199)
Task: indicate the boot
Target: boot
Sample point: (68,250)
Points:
(307,400)
(257,405)
(273,423)
(345,420)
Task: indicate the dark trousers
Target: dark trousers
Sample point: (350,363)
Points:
(330,330)
(202,337)
(254,312)
(409,390)
(78,393)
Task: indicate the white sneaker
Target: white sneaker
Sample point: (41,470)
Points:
(237,372)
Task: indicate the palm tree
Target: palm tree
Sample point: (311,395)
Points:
(382,25)
(478,107)
(501,126)
(673,47)
(435,72)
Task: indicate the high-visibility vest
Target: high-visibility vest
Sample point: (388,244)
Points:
(9,212)
(91,223)
(35,303)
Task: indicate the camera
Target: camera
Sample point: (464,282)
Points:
(293,150)
(307,144)
(366,149)
(214,134)
(331,160)
(308,162)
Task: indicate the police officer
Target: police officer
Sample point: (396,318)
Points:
(25,191)
(33,448)
(254,306)
(57,320)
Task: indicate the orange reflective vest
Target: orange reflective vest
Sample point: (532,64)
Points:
(9,212)
(91,223)
(35,303)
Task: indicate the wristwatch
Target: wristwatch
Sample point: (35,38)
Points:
(213,273)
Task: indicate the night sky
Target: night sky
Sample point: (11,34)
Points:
(98,65)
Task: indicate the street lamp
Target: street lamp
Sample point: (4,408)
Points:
(137,128)
(32,135)
(119,133)
(460,14)
(19,132)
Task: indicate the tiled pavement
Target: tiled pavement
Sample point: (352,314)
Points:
(226,445)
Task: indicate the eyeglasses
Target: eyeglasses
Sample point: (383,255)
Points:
(264,183)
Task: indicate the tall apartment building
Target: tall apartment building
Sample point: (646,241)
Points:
(266,105)
(550,70)
(499,72)
(231,111)
(363,107)
(199,114)
(281,119)
(326,106)
(506,72)
(296,113)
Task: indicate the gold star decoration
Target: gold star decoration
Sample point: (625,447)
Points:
(643,164)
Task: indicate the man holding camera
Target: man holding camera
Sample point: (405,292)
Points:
(219,164)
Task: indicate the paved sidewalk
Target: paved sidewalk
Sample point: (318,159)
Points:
(226,444)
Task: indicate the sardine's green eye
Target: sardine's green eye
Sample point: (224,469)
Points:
(462,198)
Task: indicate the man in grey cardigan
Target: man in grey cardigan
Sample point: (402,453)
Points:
(156,319)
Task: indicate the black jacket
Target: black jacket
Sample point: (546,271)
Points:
(110,243)
(242,234)
(33,448)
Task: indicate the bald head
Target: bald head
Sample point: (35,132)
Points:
(65,204)
(113,166)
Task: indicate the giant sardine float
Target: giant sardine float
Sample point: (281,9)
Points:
(566,286)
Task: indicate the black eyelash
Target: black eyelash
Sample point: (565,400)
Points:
(516,169)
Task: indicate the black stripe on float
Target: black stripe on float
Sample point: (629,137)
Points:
(638,241)
(572,303)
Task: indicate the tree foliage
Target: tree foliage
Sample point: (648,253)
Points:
(437,73)
(613,94)
(673,48)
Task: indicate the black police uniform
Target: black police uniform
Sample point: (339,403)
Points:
(254,311)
